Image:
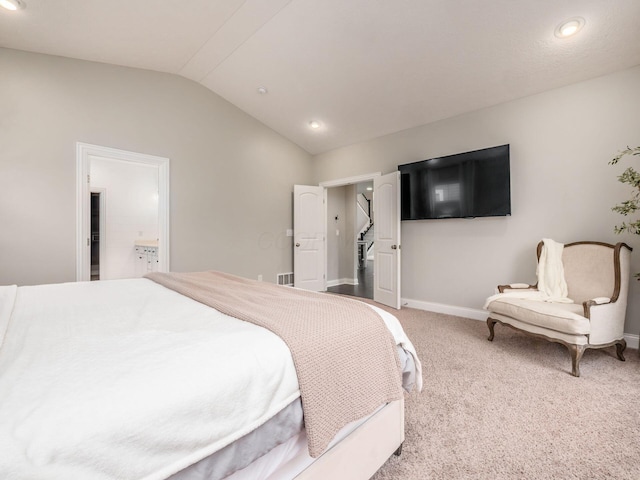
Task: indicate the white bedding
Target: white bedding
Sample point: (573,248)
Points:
(127,379)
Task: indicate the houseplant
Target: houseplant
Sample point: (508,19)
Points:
(631,177)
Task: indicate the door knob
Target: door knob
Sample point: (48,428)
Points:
(297,244)
(394,247)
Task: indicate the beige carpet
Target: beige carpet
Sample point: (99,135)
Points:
(509,409)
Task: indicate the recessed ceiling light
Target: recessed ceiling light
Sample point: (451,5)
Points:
(13,4)
(261,90)
(314,124)
(569,27)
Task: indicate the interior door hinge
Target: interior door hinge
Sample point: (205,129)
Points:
(88,178)
(88,241)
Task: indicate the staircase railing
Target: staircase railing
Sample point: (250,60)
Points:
(365,203)
(366,231)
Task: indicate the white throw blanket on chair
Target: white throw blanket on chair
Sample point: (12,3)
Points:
(552,286)
(550,272)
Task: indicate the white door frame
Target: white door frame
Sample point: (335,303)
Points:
(83,202)
(343,182)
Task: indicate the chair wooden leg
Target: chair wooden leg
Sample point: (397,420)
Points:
(620,347)
(491,323)
(576,352)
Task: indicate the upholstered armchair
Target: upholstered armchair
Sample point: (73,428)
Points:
(597,280)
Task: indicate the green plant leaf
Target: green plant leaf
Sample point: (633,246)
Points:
(629,177)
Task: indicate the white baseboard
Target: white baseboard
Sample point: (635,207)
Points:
(633,341)
(465,312)
(342,281)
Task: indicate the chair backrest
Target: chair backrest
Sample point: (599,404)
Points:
(593,269)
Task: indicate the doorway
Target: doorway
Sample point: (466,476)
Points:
(310,228)
(350,240)
(95,236)
(137,217)
(98,230)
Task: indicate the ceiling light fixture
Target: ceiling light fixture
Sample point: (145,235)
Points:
(261,90)
(314,124)
(569,27)
(12,5)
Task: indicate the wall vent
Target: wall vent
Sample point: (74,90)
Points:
(285,279)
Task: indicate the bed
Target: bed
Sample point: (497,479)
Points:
(135,379)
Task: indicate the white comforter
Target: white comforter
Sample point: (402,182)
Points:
(127,379)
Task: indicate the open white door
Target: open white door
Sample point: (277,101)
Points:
(386,246)
(308,239)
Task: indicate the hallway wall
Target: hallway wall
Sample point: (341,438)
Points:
(340,235)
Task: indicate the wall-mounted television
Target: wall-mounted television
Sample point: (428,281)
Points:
(465,185)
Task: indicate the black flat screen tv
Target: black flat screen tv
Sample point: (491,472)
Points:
(465,185)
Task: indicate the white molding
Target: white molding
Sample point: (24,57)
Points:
(633,341)
(83,261)
(474,314)
(342,281)
(340,182)
(83,212)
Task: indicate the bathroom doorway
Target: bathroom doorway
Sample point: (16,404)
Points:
(130,236)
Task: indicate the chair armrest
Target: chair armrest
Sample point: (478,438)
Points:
(516,286)
(606,318)
(598,301)
(589,304)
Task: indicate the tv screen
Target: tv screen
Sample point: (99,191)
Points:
(465,185)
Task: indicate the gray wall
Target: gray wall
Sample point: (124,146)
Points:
(562,187)
(335,207)
(231,177)
(341,248)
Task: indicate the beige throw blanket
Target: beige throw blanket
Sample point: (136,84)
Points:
(345,357)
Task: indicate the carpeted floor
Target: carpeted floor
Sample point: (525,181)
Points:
(509,409)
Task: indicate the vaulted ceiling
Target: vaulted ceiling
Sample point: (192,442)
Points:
(360,68)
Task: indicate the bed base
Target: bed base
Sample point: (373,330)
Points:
(361,454)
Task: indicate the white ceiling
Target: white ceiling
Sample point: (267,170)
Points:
(363,68)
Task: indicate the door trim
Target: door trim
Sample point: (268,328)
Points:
(83,198)
(341,182)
